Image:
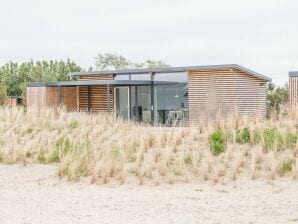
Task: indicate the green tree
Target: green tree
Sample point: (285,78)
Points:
(3,95)
(111,61)
(14,76)
(276,97)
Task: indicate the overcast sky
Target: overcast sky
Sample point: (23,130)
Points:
(261,35)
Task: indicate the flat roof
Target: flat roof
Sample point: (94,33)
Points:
(102,82)
(170,70)
(293,74)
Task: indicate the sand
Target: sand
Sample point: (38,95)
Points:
(34,194)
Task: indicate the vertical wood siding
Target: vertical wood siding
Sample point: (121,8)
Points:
(36,97)
(98,100)
(222,92)
(48,97)
(293,91)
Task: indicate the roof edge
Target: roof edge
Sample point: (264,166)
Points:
(170,70)
(293,74)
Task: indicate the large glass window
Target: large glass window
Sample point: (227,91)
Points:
(170,100)
(171,104)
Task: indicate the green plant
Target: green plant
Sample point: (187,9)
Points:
(287,166)
(290,140)
(54,157)
(187,159)
(243,136)
(41,157)
(217,142)
(73,124)
(64,145)
(131,156)
(271,138)
(28,154)
(29,130)
(115,154)
(257,137)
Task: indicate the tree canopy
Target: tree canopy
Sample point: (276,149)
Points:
(277,96)
(15,76)
(111,61)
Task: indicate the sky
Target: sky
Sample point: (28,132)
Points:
(261,35)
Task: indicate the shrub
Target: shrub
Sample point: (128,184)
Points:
(217,142)
(290,140)
(54,157)
(64,145)
(257,137)
(29,130)
(243,136)
(41,157)
(28,154)
(287,166)
(188,160)
(271,138)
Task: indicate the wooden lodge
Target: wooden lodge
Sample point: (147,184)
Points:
(165,96)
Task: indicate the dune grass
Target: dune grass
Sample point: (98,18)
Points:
(111,150)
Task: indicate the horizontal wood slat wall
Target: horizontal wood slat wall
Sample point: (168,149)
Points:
(293,91)
(96,77)
(224,91)
(98,100)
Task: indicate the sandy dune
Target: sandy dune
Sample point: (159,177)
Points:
(34,194)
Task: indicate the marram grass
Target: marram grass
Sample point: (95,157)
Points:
(111,150)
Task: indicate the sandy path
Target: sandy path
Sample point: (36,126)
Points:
(33,194)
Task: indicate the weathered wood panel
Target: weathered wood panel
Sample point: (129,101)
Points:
(36,97)
(293,91)
(48,97)
(223,92)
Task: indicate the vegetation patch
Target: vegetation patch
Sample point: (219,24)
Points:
(73,124)
(243,136)
(217,142)
(287,166)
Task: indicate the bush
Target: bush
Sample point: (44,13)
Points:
(243,136)
(287,166)
(54,157)
(41,157)
(188,159)
(272,139)
(217,142)
(290,140)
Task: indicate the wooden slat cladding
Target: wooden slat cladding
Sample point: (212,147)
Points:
(224,91)
(293,91)
(99,98)
(96,77)
(98,95)
(69,98)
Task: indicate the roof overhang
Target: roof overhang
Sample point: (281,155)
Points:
(170,70)
(293,74)
(102,83)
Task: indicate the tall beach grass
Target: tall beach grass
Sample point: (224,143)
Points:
(107,149)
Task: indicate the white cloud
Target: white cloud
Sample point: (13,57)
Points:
(261,35)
